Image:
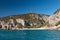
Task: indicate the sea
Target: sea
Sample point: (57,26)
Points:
(29,34)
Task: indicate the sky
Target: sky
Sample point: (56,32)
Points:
(14,7)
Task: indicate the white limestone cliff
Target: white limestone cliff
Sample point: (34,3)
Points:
(20,21)
(53,19)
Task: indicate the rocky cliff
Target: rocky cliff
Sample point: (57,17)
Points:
(31,20)
(55,18)
(28,20)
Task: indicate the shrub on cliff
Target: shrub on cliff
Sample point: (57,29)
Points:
(58,23)
(19,25)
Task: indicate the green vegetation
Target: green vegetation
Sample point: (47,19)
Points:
(19,25)
(30,26)
(45,24)
(58,23)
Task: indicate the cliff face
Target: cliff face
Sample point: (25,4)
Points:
(55,18)
(29,20)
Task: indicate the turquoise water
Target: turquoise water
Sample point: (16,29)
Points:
(30,35)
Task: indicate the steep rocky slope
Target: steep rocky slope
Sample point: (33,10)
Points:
(55,18)
(53,21)
(31,20)
(28,20)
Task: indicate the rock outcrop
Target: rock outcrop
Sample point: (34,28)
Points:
(29,20)
(53,19)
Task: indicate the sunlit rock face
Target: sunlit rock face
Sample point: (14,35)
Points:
(11,21)
(2,24)
(29,19)
(54,18)
(20,21)
(45,18)
(9,24)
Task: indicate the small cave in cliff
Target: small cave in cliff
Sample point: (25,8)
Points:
(0,26)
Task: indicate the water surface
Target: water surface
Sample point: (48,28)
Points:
(29,34)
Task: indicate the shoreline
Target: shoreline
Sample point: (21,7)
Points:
(34,29)
(42,28)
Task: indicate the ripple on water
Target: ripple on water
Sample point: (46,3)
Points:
(29,34)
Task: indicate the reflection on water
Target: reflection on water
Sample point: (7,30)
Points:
(29,34)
